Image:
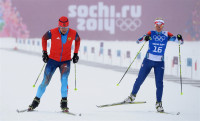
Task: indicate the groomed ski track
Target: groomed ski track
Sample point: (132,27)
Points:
(96,86)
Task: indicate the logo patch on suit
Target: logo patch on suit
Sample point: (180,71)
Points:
(58,38)
(159,38)
(69,38)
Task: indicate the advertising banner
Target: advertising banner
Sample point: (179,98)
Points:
(110,19)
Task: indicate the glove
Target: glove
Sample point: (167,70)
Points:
(45,57)
(75,58)
(179,37)
(147,38)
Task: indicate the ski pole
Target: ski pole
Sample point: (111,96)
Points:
(39,74)
(180,68)
(131,64)
(75,77)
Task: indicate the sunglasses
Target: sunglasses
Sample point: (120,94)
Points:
(64,27)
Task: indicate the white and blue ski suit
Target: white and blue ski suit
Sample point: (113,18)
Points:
(154,59)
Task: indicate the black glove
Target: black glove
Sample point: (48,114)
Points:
(45,57)
(75,58)
(179,37)
(147,38)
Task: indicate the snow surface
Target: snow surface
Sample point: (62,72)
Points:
(96,86)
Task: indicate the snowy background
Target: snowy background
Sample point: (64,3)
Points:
(96,86)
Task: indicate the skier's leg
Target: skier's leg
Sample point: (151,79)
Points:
(64,70)
(49,71)
(159,73)
(144,71)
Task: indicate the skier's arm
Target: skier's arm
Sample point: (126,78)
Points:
(141,39)
(77,43)
(173,38)
(45,37)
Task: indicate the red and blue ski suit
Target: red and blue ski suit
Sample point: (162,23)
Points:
(60,56)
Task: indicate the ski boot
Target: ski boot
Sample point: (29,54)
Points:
(159,107)
(63,105)
(35,103)
(130,98)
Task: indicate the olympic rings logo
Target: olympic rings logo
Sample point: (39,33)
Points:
(128,24)
(159,38)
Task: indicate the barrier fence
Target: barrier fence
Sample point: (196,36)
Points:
(121,53)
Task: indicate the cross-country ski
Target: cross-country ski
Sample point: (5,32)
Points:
(119,103)
(64,112)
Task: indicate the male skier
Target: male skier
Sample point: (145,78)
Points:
(154,59)
(59,57)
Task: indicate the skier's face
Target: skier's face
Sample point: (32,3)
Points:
(159,27)
(64,29)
